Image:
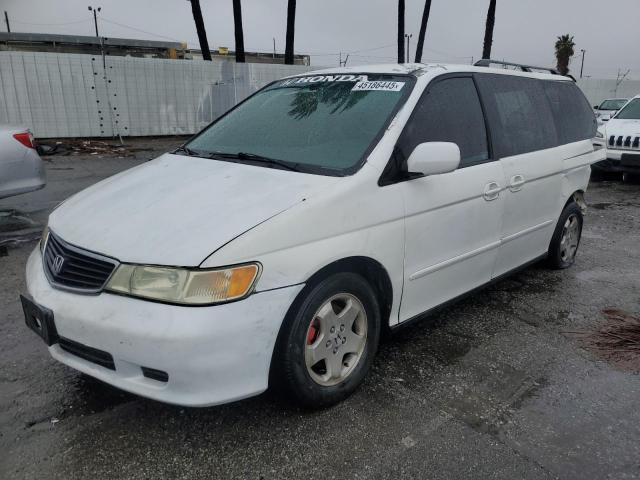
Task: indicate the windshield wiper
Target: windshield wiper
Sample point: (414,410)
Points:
(257,158)
(186,150)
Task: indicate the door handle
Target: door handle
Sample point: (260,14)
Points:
(491,191)
(516,183)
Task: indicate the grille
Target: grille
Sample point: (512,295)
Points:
(90,354)
(70,267)
(625,143)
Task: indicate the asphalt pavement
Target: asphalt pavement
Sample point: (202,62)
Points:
(498,386)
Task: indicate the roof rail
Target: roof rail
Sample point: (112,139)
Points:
(487,62)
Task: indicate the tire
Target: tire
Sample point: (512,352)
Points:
(566,238)
(632,178)
(319,360)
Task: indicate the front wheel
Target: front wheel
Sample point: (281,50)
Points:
(566,237)
(328,343)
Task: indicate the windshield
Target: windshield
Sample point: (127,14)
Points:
(613,104)
(316,124)
(631,111)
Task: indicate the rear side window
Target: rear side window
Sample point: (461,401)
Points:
(572,114)
(519,114)
(449,111)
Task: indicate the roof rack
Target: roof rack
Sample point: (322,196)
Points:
(487,62)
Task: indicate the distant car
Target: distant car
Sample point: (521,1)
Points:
(21,168)
(608,108)
(620,138)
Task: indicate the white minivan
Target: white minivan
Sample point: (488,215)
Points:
(277,245)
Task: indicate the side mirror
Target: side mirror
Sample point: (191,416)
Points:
(434,158)
(596,107)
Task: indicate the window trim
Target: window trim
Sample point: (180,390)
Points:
(389,178)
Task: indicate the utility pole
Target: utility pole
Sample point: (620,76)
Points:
(95,17)
(6,20)
(408,37)
(582,65)
(274,48)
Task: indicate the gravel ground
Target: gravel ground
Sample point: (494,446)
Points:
(496,386)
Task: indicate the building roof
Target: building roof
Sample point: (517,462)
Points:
(84,40)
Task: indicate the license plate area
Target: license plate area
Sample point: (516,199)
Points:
(40,320)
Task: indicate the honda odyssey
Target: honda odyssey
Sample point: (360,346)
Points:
(278,244)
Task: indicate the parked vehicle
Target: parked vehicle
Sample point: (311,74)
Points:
(620,140)
(281,241)
(21,168)
(608,108)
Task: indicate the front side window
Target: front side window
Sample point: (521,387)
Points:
(318,124)
(449,111)
(631,111)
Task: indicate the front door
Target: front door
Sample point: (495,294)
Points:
(453,220)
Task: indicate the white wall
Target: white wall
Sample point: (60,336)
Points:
(75,95)
(596,90)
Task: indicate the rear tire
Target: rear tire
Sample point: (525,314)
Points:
(566,238)
(632,178)
(328,341)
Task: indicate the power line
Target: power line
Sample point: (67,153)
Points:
(49,24)
(138,29)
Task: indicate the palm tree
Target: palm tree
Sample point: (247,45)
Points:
(423,30)
(291,28)
(401,58)
(202,33)
(488,32)
(564,52)
(237,22)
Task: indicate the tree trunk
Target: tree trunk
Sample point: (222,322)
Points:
(401,58)
(488,33)
(423,30)
(563,64)
(291,30)
(237,22)
(202,34)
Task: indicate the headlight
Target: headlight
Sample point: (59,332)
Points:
(599,134)
(183,286)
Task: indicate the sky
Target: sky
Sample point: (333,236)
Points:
(525,30)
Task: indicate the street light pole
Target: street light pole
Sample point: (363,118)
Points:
(582,65)
(95,17)
(408,37)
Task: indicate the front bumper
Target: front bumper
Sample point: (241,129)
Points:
(212,355)
(614,163)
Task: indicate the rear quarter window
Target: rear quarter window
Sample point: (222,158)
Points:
(572,115)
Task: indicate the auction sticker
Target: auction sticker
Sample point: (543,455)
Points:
(364,86)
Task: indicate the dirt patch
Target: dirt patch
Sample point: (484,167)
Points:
(617,340)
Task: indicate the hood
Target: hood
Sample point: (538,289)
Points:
(625,128)
(177,210)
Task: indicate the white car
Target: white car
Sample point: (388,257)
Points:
(281,241)
(620,140)
(21,168)
(608,108)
